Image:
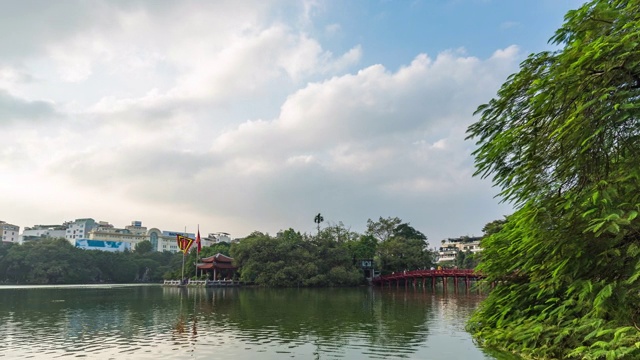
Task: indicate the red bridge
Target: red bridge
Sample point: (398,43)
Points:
(419,277)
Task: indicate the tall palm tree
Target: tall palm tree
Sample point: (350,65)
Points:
(318,219)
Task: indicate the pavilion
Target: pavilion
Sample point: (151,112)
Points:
(219,266)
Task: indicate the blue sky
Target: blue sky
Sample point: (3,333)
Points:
(412,27)
(255,115)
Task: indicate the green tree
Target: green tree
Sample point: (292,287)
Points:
(401,246)
(400,254)
(364,247)
(292,259)
(493,227)
(333,258)
(219,248)
(467,259)
(144,247)
(561,140)
(318,219)
(383,229)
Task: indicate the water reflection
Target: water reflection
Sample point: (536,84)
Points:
(179,323)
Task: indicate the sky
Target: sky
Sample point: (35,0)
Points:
(242,116)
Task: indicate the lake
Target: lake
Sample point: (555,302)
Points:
(155,322)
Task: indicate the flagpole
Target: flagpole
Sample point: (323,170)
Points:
(183,266)
(197,250)
(183,254)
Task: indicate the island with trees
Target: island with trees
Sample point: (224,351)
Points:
(289,258)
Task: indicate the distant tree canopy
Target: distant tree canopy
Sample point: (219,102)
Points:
(292,259)
(289,259)
(56,261)
(144,247)
(330,257)
(561,140)
(400,246)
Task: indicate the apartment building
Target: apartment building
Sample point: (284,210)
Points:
(10,233)
(79,229)
(38,232)
(451,247)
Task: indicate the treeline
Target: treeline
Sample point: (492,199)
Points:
(290,258)
(56,261)
(331,257)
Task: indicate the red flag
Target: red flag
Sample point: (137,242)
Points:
(198,240)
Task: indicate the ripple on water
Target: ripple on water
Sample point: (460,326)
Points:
(242,324)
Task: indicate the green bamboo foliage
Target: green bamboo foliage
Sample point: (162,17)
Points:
(562,141)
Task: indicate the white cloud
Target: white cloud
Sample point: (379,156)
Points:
(235,118)
(509,25)
(332,29)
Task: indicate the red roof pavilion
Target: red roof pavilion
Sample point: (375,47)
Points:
(219,262)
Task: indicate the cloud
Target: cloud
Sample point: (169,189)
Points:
(332,29)
(235,117)
(374,139)
(14,109)
(509,25)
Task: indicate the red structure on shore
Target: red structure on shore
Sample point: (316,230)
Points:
(219,266)
(417,278)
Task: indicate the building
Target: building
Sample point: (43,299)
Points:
(39,232)
(219,237)
(130,236)
(451,247)
(135,233)
(79,229)
(10,233)
(217,267)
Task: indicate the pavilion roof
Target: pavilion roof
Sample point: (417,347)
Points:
(217,258)
(205,266)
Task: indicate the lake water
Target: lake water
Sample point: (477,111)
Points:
(155,322)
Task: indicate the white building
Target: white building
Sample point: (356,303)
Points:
(10,233)
(135,233)
(219,237)
(38,232)
(451,247)
(79,229)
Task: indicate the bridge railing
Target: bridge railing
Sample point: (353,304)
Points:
(430,273)
(201,282)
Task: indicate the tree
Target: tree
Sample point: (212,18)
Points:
(493,227)
(318,219)
(400,247)
(408,232)
(144,247)
(561,141)
(467,259)
(292,259)
(383,229)
(399,254)
(364,247)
